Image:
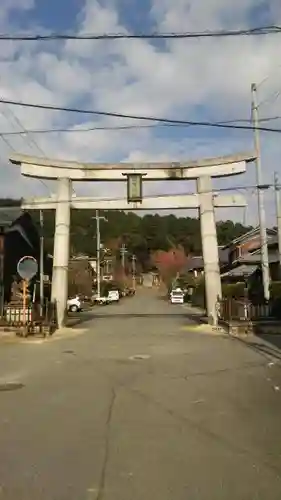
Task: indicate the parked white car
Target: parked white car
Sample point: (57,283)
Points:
(74,304)
(177,296)
(101,300)
(113,296)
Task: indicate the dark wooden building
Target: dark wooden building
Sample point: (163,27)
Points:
(20,237)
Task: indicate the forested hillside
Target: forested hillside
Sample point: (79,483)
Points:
(142,235)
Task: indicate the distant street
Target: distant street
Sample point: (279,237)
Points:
(135,404)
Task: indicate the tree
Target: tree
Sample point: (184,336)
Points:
(143,235)
(80,278)
(119,276)
(169,264)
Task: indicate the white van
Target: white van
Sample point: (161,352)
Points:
(113,296)
(177,296)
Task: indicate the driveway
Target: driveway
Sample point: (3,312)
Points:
(135,404)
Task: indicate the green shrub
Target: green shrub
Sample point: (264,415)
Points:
(198,297)
(233,290)
(186,281)
(275,289)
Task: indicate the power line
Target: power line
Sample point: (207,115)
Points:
(26,138)
(7,143)
(268,76)
(124,127)
(137,117)
(24,133)
(261,30)
(271,99)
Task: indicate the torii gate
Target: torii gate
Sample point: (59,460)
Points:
(202,171)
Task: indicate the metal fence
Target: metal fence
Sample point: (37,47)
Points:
(230,309)
(28,321)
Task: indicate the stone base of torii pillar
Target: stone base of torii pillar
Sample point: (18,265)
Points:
(205,200)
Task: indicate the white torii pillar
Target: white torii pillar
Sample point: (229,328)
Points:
(201,170)
(209,247)
(61,248)
(206,201)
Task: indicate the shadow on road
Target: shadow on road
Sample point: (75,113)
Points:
(261,344)
(271,344)
(200,319)
(74,319)
(138,315)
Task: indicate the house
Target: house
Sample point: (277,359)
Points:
(19,237)
(195,264)
(107,266)
(244,256)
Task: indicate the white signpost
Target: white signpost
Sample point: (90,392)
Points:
(27,268)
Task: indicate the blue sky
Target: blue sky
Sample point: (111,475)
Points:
(192,80)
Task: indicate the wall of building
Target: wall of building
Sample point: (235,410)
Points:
(18,244)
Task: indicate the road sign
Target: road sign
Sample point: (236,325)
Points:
(27,267)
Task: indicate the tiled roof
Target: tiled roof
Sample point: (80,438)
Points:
(8,215)
(241,271)
(195,262)
(270,232)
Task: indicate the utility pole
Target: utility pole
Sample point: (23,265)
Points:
(98,252)
(2,283)
(41,263)
(278,216)
(134,271)
(98,247)
(123,252)
(262,218)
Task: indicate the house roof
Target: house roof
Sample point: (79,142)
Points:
(195,262)
(249,234)
(8,215)
(255,257)
(242,271)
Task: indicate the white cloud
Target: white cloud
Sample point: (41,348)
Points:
(190,79)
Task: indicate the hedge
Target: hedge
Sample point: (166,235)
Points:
(275,289)
(233,290)
(198,297)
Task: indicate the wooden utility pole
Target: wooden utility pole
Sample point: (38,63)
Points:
(2,283)
(41,262)
(278,217)
(98,248)
(134,271)
(262,218)
(123,251)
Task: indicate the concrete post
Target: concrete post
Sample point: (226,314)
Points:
(209,247)
(61,249)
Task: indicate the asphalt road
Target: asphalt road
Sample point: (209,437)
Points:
(137,405)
